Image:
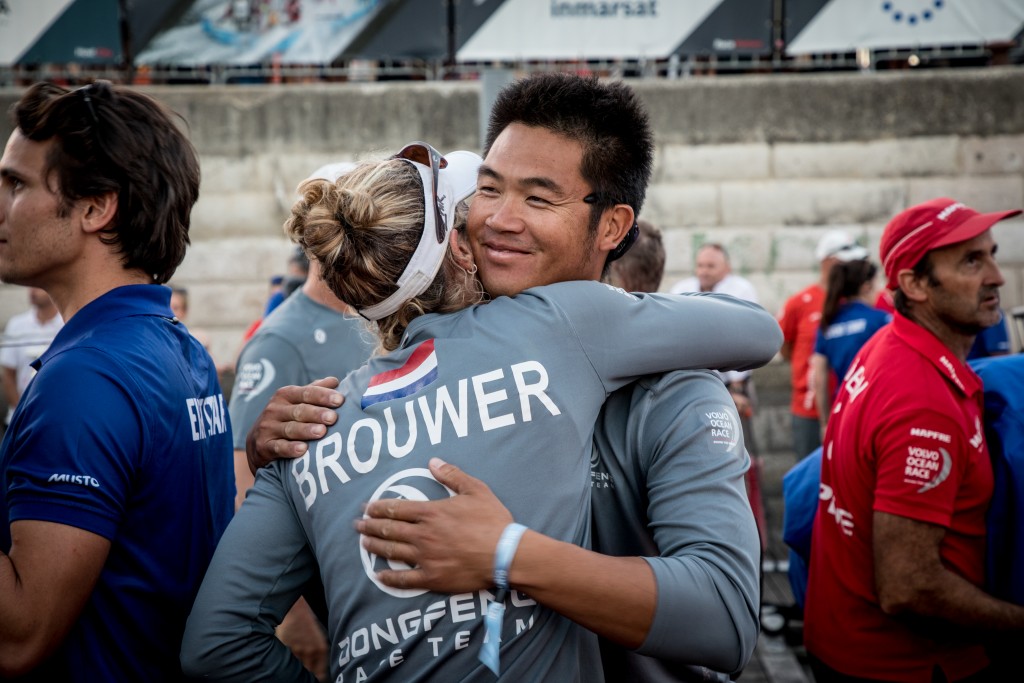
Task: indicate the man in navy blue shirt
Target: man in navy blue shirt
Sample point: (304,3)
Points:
(116,474)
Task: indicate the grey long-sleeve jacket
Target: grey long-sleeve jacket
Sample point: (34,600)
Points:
(668,485)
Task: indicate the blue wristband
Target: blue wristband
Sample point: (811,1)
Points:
(507,545)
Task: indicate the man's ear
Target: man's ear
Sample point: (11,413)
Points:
(914,288)
(615,223)
(98,212)
(461,252)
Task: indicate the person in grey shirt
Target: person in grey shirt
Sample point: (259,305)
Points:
(310,335)
(478,386)
(668,449)
(615,592)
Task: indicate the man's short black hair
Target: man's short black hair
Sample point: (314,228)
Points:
(606,118)
(114,139)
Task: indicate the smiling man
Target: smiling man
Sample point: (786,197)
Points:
(898,548)
(532,212)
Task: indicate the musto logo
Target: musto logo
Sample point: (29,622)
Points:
(411,484)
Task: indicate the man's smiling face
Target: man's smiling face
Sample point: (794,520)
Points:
(528,224)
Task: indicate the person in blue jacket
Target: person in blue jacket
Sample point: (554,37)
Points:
(116,476)
(1003,377)
(848,320)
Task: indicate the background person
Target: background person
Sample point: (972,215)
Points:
(678,538)
(115,475)
(179,306)
(848,320)
(281,287)
(360,229)
(714,274)
(314,336)
(898,548)
(297,269)
(1003,377)
(26,336)
(642,267)
(799,320)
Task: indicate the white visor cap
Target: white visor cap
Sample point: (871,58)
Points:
(455,183)
(853,252)
(832,242)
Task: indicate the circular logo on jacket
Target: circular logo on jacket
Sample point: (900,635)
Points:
(412,484)
(254,378)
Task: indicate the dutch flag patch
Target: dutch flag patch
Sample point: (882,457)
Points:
(419,371)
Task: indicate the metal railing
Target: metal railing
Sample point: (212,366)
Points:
(674,67)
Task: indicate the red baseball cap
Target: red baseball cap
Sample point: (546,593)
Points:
(933,224)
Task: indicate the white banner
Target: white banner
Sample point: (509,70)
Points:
(572,29)
(846,25)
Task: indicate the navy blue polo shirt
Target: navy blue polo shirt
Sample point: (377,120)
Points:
(124,432)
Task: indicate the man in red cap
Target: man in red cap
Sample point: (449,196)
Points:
(898,545)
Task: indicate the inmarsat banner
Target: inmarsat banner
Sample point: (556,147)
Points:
(627,29)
